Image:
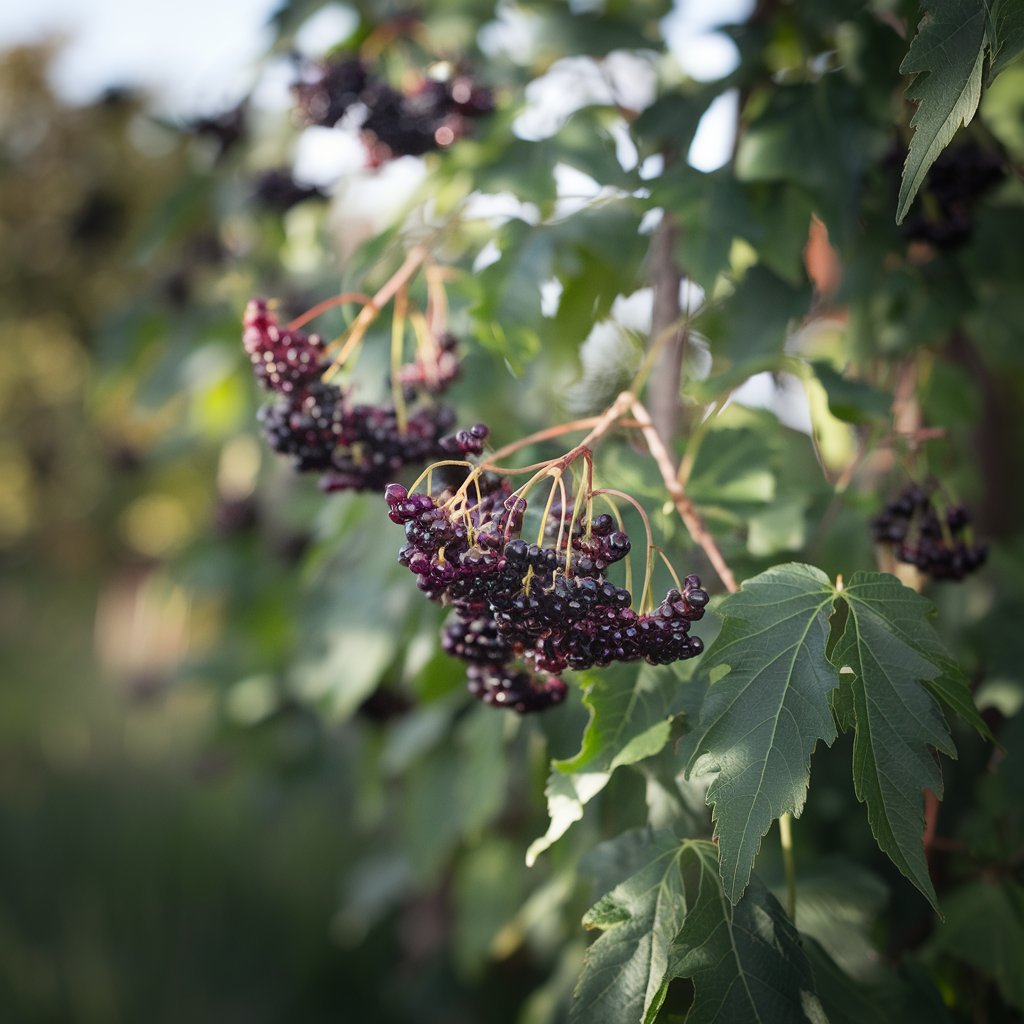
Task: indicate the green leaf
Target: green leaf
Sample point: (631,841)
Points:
(670,122)
(817,137)
(849,400)
(947,54)
(624,969)
(888,997)
(631,715)
(745,960)
(984,927)
(507,314)
(887,651)
(669,919)
(953,692)
(1008,19)
(761,721)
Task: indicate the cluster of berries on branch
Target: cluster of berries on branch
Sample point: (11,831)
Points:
(523,613)
(357,446)
(937,541)
(430,115)
(960,176)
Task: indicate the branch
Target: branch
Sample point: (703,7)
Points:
(688,514)
(666,332)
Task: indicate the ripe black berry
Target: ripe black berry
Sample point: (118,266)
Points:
(518,602)
(934,542)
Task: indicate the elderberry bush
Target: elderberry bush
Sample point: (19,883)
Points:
(935,540)
(356,446)
(430,115)
(546,607)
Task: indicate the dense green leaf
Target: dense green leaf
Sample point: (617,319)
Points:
(887,651)
(761,721)
(984,927)
(852,401)
(670,919)
(625,968)
(507,313)
(815,136)
(631,713)
(745,960)
(888,997)
(947,55)
(1008,19)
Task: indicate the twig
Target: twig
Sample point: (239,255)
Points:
(372,309)
(688,514)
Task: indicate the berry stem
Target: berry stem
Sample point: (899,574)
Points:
(671,570)
(397,338)
(323,307)
(437,297)
(541,435)
(694,524)
(416,256)
(644,595)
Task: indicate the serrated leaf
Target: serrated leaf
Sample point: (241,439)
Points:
(624,969)
(761,721)
(947,54)
(671,919)
(953,692)
(631,714)
(892,650)
(745,960)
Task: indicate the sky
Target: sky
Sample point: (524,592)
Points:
(199,55)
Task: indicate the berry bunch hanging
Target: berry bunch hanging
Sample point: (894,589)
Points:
(936,540)
(356,446)
(523,613)
(430,115)
(958,179)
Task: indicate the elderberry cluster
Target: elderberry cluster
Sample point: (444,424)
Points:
(933,541)
(956,181)
(356,446)
(429,116)
(548,606)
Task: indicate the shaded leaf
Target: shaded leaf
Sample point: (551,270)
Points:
(947,55)
(631,714)
(852,401)
(746,961)
(904,997)
(761,721)
(984,927)
(887,651)
(1008,18)
(671,919)
(624,969)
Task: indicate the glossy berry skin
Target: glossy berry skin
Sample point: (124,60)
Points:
(356,447)
(547,607)
(283,361)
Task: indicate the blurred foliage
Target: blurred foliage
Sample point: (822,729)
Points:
(238,781)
